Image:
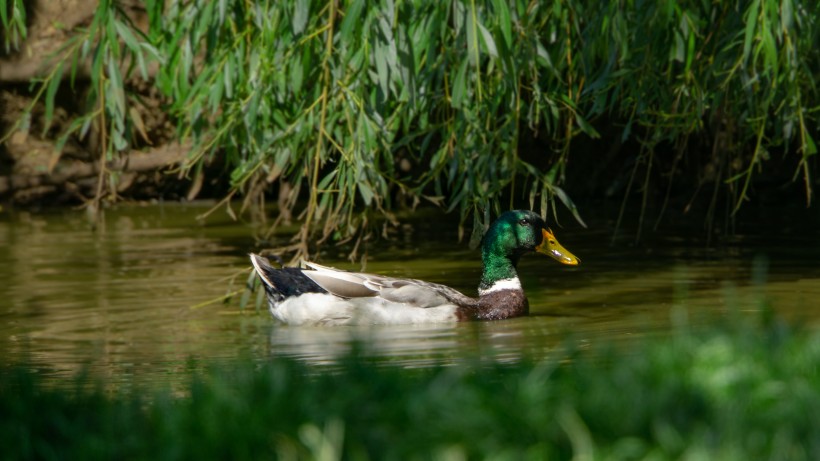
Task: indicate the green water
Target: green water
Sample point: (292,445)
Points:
(120,302)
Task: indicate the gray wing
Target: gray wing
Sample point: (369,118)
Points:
(409,291)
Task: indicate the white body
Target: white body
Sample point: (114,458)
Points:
(356,298)
(328,309)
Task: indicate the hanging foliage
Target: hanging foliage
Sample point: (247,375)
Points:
(355,104)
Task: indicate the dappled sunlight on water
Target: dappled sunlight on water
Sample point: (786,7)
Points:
(126,301)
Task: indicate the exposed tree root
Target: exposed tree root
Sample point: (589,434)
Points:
(74,175)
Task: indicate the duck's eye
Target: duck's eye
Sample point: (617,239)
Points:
(524,222)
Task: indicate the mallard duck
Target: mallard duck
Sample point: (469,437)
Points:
(317,294)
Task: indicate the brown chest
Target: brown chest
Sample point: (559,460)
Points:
(497,305)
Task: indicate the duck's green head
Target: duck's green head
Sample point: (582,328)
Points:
(520,231)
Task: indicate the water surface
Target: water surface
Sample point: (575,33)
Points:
(125,301)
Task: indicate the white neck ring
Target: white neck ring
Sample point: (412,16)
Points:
(503,284)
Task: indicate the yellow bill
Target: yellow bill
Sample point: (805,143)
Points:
(550,247)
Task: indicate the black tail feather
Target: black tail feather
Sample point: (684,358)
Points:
(285,282)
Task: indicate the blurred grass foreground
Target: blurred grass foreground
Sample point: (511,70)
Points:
(741,390)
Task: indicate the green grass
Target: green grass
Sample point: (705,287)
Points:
(742,390)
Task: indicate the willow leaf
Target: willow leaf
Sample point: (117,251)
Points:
(51,94)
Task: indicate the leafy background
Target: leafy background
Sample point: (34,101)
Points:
(350,109)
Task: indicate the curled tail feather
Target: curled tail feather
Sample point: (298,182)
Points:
(283,283)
